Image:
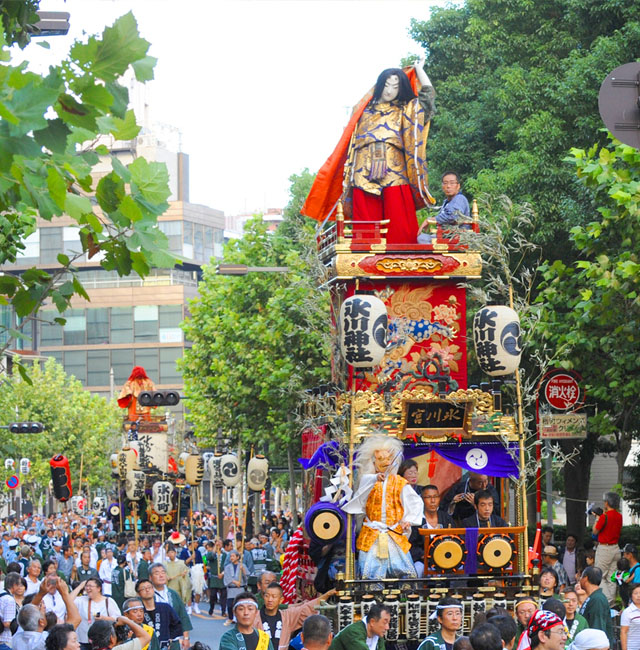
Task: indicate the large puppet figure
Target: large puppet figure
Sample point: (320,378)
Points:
(390,505)
(128,398)
(379,166)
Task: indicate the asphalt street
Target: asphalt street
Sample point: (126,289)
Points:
(208,629)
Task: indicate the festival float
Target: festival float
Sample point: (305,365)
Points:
(400,387)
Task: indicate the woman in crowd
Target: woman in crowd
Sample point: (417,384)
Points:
(92,606)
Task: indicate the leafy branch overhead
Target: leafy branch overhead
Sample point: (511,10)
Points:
(50,127)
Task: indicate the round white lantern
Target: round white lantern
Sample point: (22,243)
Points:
(496,336)
(113,462)
(161,497)
(9,463)
(230,469)
(194,469)
(182,461)
(257,471)
(134,485)
(99,505)
(25,466)
(127,462)
(363,330)
(206,457)
(215,470)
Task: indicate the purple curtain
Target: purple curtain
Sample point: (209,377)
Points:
(491,458)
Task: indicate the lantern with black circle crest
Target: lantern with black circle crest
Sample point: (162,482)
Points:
(363,330)
(99,505)
(257,472)
(230,468)
(161,494)
(194,469)
(496,336)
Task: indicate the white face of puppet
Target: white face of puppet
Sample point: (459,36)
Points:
(382,460)
(391,88)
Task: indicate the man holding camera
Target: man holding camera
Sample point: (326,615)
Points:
(607,529)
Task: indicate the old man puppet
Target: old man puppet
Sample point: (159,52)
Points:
(391,507)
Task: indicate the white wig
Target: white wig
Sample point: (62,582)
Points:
(365,454)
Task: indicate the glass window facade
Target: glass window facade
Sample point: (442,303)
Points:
(50,245)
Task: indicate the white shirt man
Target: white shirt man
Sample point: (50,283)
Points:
(107,565)
(53,603)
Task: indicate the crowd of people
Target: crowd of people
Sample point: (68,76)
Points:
(71,583)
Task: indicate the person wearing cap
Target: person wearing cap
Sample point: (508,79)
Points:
(525,608)
(134,609)
(550,558)
(243,635)
(596,607)
(279,624)
(449,614)
(160,616)
(365,634)
(573,621)
(12,553)
(546,631)
(630,553)
(590,640)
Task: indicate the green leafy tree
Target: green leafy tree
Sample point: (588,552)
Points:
(592,310)
(517,85)
(49,125)
(259,340)
(77,423)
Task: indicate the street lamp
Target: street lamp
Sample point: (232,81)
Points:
(243,269)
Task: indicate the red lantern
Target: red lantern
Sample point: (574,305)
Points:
(61,478)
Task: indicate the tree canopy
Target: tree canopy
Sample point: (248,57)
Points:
(76,422)
(49,127)
(259,340)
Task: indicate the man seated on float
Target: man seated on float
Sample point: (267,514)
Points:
(449,614)
(459,500)
(453,207)
(433,518)
(484,516)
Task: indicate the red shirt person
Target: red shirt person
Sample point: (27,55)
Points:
(607,527)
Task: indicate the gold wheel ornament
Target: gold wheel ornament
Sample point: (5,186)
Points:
(154,518)
(325,523)
(168,519)
(446,552)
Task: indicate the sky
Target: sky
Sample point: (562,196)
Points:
(259,89)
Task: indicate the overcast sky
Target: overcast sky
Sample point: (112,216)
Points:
(259,89)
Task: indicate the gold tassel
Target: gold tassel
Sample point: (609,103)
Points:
(383,546)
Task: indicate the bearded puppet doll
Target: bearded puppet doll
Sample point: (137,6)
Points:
(391,507)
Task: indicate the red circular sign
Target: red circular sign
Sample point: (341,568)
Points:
(562,392)
(12,482)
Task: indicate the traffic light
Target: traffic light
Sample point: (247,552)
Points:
(26,427)
(158,398)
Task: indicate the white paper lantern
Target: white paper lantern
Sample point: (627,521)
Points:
(206,457)
(134,485)
(182,461)
(9,463)
(230,468)
(127,462)
(99,505)
(161,497)
(257,471)
(25,466)
(215,471)
(496,336)
(363,330)
(194,469)
(113,462)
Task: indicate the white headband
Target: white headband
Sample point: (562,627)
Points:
(246,601)
(441,607)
